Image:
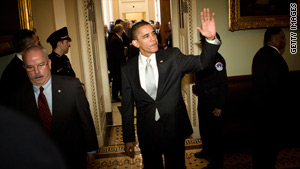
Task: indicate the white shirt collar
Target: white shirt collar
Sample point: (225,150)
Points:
(120,37)
(274,48)
(48,84)
(143,59)
(19,56)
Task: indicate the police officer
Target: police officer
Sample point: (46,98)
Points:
(60,42)
(211,88)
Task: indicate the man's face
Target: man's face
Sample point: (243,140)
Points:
(281,40)
(157,25)
(105,28)
(37,66)
(65,45)
(146,40)
(170,25)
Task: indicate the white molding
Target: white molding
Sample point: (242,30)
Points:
(88,68)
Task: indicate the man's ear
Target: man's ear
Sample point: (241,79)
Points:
(135,43)
(59,43)
(49,63)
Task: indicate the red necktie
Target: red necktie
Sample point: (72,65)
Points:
(44,110)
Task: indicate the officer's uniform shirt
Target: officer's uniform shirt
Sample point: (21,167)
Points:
(213,81)
(61,65)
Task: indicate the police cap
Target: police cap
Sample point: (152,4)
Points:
(59,35)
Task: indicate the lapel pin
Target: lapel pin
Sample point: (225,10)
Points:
(161,61)
(59,91)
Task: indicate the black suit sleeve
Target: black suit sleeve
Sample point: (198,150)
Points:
(127,110)
(191,63)
(82,106)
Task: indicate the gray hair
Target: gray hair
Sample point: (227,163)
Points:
(35,47)
(118,28)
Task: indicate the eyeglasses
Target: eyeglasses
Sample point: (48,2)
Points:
(39,67)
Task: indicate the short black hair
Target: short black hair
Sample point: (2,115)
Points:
(270,32)
(118,21)
(151,21)
(22,39)
(135,27)
(54,44)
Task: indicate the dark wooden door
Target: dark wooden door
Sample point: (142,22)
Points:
(165,18)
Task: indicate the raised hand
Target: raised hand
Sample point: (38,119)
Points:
(208,26)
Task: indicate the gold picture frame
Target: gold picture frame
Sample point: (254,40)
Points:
(26,22)
(25,14)
(261,19)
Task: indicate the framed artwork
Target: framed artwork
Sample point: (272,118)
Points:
(258,14)
(25,14)
(20,17)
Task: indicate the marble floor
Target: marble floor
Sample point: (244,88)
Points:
(112,155)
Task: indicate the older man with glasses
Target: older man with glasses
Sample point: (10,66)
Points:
(59,105)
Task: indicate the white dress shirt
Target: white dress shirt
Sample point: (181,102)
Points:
(142,69)
(19,56)
(47,92)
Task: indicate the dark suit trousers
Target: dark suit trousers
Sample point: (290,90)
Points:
(211,129)
(117,81)
(152,154)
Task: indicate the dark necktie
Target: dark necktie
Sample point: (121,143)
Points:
(44,110)
(150,84)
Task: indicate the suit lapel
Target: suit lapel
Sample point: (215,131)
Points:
(57,95)
(32,101)
(136,76)
(161,72)
(28,103)
(135,72)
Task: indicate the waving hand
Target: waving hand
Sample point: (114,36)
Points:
(208,26)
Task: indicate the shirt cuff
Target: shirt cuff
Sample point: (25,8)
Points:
(215,41)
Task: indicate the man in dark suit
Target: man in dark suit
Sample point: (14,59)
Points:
(63,110)
(162,120)
(116,58)
(157,25)
(270,80)
(169,41)
(14,74)
(124,36)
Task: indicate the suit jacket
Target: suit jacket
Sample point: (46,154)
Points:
(116,53)
(169,41)
(270,75)
(72,124)
(12,78)
(125,39)
(158,35)
(172,66)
